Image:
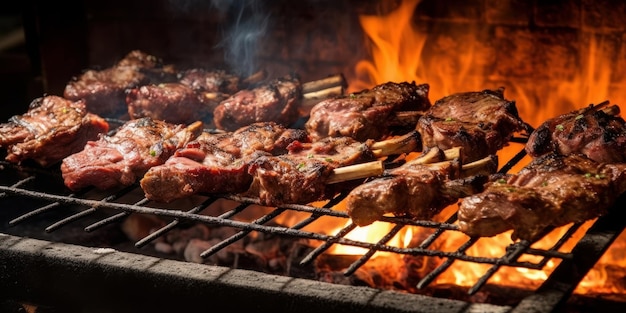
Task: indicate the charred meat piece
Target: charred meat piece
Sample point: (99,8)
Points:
(301,176)
(215,81)
(419,189)
(276,101)
(595,131)
(52,129)
(479,122)
(121,159)
(104,90)
(217,163)
(553,190)
(368,114)
(171,102)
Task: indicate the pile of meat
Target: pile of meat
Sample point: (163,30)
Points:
(443,152)
(577,174)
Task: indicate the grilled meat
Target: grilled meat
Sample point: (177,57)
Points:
(301,175)
(553,190)
(479,122)
(52,129)
(217,163)
(104,90)
(214,81)
(368,114)
(276,101)
(418,189)
(122,158)
(171,102)
(595,131)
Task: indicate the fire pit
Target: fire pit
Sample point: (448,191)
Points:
(78,242)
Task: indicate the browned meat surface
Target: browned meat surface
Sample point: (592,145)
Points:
(595,131)
(121,159)
(217,163)
(553,190)
(416,189)
(276,101)
(217,81)
(171,102)
(104,90)
(50,130)
(301,175)
(368,114)
(479,122)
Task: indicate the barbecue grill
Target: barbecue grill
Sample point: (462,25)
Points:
(29,193)
(63,250)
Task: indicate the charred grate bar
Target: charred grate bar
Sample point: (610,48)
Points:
(32,183)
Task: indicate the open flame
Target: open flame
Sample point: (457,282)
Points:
(402,51)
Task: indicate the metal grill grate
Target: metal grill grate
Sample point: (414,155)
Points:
(46,186)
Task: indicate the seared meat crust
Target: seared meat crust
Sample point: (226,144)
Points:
(599,133)
(276,101)
(553,190)
(368,114)
(121,159)
(217,163)
(480,122)
(104,91)
(52,129)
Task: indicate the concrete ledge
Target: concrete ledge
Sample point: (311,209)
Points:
(82,279)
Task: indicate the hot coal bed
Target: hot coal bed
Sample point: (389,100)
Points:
(62,251)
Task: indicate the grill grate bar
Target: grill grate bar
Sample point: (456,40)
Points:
(218,221)
(428,278)
(327,244)
(430,239)
(241,234)
(358,263)
(18,184)
(114,218)
(171,225)
(69,219)
(511,255)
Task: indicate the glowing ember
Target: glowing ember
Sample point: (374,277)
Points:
(402,51)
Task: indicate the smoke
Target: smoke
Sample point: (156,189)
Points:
(246,23)
(242,37)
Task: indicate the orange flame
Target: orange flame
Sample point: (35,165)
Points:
(399,52)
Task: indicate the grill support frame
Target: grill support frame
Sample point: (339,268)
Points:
(82,279)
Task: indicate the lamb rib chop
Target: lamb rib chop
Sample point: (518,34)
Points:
(216,163)
(52,129)
(171,102)
(276,101)
(368,114)
(192,98)
(104,91)
(480,122)
(420,188)
(121,159)
(595,131)
(553,190)
(319,170)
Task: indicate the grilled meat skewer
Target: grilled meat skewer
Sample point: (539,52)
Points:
(50,130)
(276,101)
(104,91)
(552,191)
(216,163)
(220,163)
(420,188)
(193,97)
(122,158)
(595,131)
(368,114)
(480,122)
(301,176)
